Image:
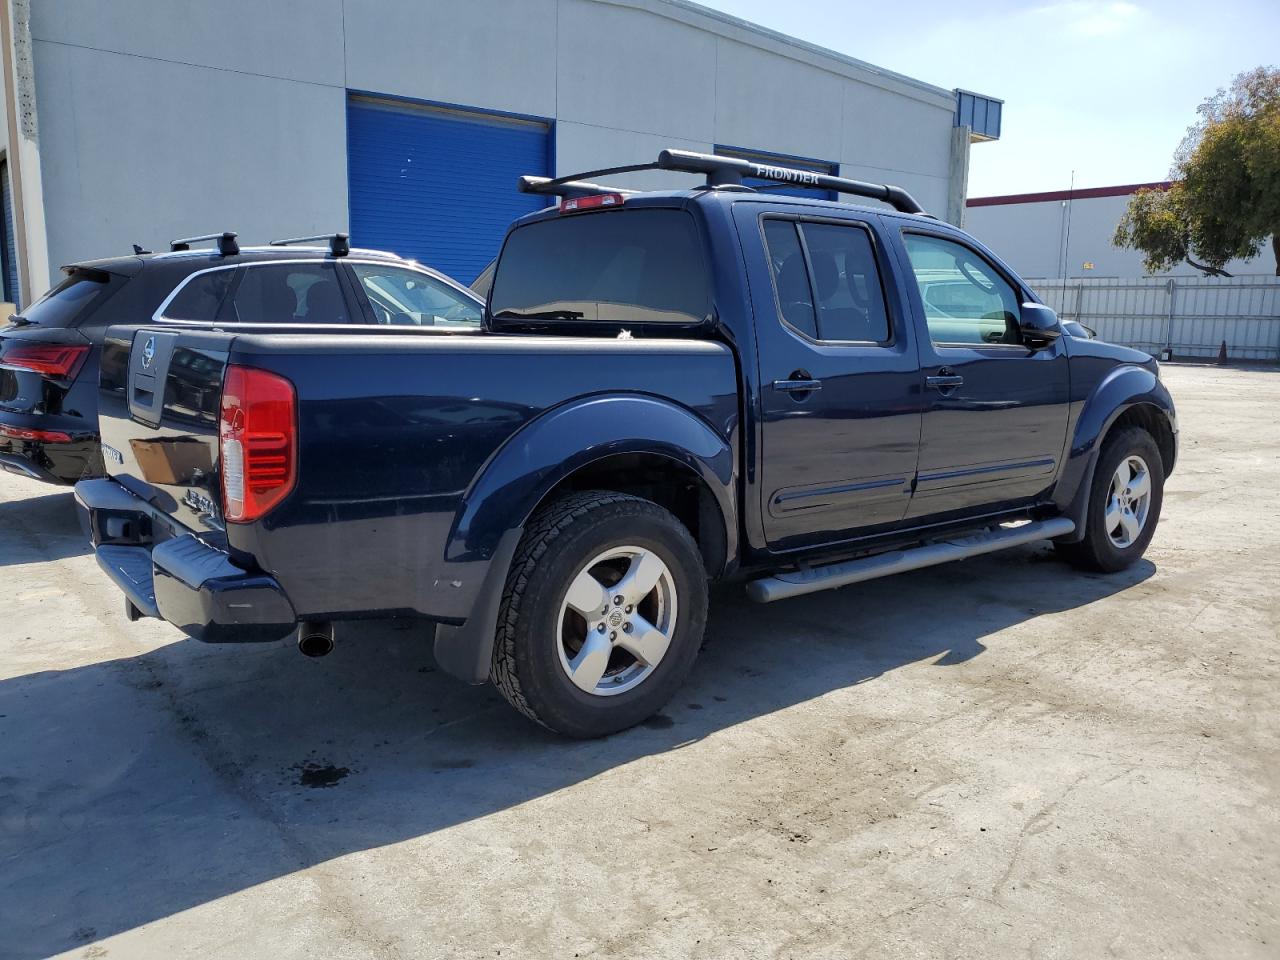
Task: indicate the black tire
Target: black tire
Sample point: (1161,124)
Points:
(559,540)
(1096,551)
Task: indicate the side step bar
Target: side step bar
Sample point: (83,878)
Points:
(812,579)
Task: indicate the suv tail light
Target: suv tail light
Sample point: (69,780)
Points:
(54,360)
(44,436)
(257,442)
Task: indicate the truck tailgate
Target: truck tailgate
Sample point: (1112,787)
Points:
(158,418)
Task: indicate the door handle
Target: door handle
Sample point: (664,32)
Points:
(944,379)
(797,386)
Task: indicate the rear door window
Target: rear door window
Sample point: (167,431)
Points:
(290,293)
(827,280)
(622,266)
(790,276)
(846,282)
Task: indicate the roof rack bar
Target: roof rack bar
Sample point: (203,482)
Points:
(729,171)
(568,187)
(602,172)
(722,171)
(339,243)
(227,245)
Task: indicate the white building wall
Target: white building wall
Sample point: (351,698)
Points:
(160,119)
(491,54)
(1033,238)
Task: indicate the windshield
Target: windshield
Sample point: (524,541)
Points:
(65,304)
(625,266)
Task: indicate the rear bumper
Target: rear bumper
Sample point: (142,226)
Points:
(62,462)
(24,466)
(166,571)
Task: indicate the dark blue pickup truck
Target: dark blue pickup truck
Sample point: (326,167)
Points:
(668,388)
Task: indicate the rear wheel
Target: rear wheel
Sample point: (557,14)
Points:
(602,615)
(1124,504)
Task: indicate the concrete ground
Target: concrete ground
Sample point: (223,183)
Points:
(998,758)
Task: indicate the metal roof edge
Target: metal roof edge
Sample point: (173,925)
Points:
(975,93)
(696,15)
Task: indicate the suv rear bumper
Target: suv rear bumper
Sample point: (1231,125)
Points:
(25,467)
(53,462)
(178,577)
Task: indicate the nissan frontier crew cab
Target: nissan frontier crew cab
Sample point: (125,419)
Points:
(667,388)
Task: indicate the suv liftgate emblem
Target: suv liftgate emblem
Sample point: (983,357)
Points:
(148,352)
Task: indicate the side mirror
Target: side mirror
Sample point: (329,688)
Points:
(1039,325)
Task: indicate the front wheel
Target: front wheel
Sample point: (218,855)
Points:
(1124,504)
(602,615)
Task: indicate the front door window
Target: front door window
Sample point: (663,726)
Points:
(965,300)
(401,297)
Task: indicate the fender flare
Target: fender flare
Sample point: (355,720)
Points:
(564,440)
(1121,390)
(532,462)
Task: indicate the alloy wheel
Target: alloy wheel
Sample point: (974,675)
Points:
(617,620)
(1128,501)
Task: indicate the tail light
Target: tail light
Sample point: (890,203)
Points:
(574,204)
(257,442)
(54,360)
(44,436)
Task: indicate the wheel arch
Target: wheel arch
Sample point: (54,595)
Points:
(666,481)
(596,441)
(627,443)
(1129,396)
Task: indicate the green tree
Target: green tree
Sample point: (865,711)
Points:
(1225,199)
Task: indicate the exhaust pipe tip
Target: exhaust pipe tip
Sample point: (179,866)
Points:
(315,639)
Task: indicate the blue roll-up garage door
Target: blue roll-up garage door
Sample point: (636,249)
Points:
(8,253)
(439,185)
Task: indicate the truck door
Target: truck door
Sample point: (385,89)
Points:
(995,415)
(839,402)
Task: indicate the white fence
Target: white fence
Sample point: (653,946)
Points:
(1193,316)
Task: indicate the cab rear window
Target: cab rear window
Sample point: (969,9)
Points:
(624,267)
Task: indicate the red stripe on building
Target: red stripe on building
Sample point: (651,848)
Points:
(1085,193)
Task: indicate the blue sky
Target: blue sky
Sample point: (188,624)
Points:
(1104,88)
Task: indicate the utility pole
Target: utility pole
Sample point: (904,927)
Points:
(1066,243)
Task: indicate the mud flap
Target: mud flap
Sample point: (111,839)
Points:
(466,650)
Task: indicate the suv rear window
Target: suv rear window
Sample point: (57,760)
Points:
(623,266)
(66,303)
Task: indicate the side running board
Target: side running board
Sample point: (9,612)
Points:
(812,579)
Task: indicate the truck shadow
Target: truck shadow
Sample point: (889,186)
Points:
(134,789)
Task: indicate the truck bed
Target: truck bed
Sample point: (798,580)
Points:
(391,426)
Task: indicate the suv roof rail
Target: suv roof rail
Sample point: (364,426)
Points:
(339,243)
(722,171)
(227,245)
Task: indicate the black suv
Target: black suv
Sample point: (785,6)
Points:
(49,352)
